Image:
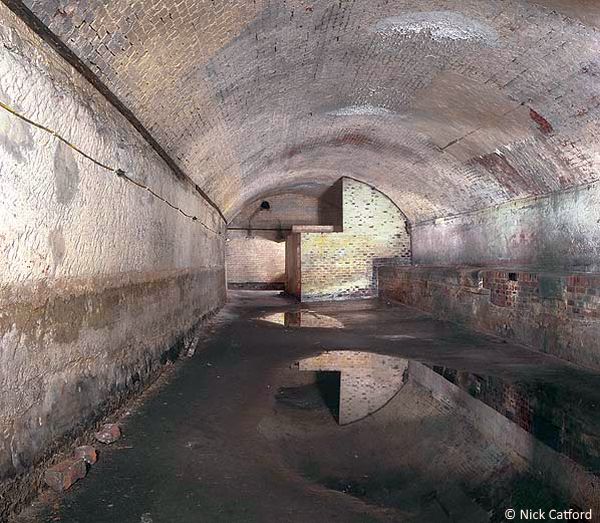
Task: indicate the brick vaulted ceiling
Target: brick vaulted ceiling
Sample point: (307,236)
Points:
(446,106)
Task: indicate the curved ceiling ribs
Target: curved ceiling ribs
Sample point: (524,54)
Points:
(446,106)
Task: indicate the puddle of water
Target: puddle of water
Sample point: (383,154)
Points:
(303,318)
(553,428)
(564,419)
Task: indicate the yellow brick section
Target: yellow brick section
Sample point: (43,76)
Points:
(342,265)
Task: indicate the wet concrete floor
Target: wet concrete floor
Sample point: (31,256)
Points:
(236,434)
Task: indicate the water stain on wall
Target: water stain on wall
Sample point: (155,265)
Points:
(56,242)
(66,174)
(15,137)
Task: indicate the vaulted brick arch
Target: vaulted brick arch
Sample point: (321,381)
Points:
(447,106)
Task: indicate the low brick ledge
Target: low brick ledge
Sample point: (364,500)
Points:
(556,312)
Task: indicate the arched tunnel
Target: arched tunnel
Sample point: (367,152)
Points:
(299,260)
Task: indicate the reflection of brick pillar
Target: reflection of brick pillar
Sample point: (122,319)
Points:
(367,381)
(293,318)
(365,390)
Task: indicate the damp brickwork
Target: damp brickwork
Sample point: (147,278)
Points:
(445,106)
(557,313)
(100,281)
(342,264)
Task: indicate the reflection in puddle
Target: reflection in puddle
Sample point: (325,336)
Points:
(303,318)
(323,393)
(556,432)
(367,381)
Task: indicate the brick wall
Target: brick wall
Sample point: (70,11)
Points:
(342,264)
(255,259)
(288,209)
(558,313)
